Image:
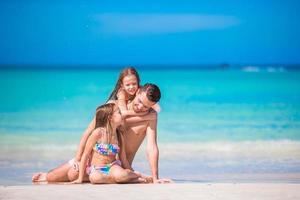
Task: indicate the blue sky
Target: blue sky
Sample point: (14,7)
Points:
(149,32)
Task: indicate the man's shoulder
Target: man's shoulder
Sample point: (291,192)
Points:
(151,114)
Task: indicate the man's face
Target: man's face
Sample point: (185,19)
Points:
(141,102)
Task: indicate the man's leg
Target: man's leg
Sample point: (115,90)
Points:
(59,174)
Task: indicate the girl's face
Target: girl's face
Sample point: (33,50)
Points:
(116,117)
(130,84)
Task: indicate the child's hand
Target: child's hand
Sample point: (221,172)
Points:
(130,113)
(77,181)
(142,113)
(156,107)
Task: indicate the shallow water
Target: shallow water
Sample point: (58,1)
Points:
(212,122)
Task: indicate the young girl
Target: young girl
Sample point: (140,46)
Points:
(105,146)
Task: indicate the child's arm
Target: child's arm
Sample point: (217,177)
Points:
(151,115)
(131,113)
(123,107)
(122,101)
(83,140)
(87,150)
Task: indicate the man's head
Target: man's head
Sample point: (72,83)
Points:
(146,97)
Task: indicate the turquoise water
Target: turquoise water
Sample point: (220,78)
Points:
(217,122)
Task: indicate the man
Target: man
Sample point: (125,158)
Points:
(147,96)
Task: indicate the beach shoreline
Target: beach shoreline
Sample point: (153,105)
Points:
(155,191)
(209,178)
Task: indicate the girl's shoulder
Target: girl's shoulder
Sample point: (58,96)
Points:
(99,132)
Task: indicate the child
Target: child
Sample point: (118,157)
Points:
(105,146)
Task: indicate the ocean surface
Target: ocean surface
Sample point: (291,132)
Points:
(236,125)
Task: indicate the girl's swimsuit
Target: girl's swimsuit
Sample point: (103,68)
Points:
(106,150)
(103,169)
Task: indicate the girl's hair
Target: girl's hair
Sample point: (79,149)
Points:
(103,119)
(125,72)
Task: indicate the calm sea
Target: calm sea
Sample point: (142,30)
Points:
(227,126)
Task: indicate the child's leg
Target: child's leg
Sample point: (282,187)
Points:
(59,174)
(97,177)
(73,175)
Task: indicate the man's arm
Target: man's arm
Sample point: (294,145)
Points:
(84,139)
(152,148)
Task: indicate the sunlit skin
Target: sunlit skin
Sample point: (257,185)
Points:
(130,84)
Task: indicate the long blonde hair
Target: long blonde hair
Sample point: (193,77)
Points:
(103,119)
(125,72)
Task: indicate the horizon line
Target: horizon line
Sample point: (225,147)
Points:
(223,66)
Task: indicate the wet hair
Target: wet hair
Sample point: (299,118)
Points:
(103,119)
(152,92)
(125,72)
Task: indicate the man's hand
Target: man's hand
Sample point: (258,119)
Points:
(76,165)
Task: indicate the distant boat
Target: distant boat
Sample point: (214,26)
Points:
(275,69)
(224,66)
(251,69)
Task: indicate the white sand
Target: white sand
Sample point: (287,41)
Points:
(205,191)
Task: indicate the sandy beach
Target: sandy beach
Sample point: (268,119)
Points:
(168,191)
